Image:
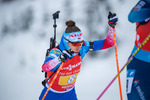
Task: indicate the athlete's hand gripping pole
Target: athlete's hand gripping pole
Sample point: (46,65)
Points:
(53,80)
(112,21)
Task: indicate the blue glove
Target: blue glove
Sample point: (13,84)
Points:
(66,54)
(112,19)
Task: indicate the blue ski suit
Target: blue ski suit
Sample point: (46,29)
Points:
(63,86)
(138,71)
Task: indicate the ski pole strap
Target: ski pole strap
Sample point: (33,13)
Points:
(91,46)
(50,85)
(126,64)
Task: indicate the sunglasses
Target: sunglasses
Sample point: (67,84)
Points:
(75,44)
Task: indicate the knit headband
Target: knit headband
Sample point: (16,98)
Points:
(74,36)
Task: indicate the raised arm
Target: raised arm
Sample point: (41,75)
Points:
(109,41)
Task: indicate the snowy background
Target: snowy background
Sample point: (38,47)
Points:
(25,29)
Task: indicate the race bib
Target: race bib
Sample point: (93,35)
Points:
(65,80)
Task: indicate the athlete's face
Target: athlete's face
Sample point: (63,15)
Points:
(75,46)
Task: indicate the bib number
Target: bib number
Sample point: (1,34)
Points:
(65,80)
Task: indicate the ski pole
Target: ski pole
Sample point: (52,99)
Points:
(126,64)
(50,85)
(116,54)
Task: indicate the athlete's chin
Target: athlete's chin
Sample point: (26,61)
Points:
(76,52)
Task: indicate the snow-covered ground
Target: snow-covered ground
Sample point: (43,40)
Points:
(22,54)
